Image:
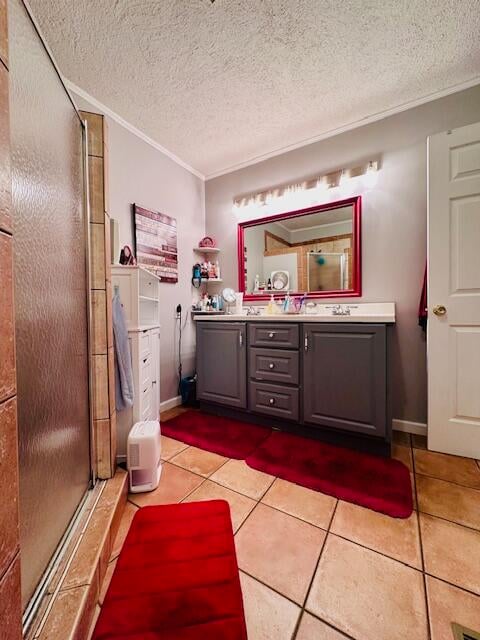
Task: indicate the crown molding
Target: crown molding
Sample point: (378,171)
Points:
(130,127)
(381,115)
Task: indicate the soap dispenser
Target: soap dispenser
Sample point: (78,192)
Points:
(271,307)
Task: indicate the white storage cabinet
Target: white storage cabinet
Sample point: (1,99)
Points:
(139,293)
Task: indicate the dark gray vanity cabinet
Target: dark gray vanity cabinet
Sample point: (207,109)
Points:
(222,363)
(327,379)
(345,377)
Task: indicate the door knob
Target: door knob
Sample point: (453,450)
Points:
(439,310)
(271,365)
(272,401)
(271,334)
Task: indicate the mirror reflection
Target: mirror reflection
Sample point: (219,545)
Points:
(303,253)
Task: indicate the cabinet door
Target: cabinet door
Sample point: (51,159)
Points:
(222,363)
(345,377)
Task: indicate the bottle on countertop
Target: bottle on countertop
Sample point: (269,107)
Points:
(269,284)
(271,306)
(256,285)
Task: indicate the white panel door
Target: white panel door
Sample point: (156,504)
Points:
(453,334)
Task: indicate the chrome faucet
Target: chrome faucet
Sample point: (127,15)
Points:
(253,311)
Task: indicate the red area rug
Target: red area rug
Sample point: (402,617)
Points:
(381,484)
(230,438)
(176,578)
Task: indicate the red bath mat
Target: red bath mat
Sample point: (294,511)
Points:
(381,484)
(230,438)
(176,578)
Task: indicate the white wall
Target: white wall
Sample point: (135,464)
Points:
(140,173)
(283,262)
(322,231)
(393,223)
(254,239)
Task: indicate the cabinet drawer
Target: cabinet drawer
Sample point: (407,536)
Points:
(274,365)
(146,371)
(274,400)
(146,402)
(145,345)
(274,335)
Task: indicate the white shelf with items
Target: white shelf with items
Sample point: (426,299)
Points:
(207,254)
(206,250)
(140,295)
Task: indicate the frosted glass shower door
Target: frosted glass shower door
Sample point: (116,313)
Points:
(325,271)
(50,299)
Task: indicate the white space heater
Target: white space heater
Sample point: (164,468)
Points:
(143,456)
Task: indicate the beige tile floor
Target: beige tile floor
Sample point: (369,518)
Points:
(316,568)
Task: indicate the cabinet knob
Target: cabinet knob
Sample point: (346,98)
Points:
(272,401)
(271,365)
(271,334)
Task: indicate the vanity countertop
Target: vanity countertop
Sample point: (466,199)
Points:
(376,312)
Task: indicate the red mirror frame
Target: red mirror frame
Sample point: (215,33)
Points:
(354,292)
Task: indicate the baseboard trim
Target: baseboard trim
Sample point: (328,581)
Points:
(171,403)
(418,428)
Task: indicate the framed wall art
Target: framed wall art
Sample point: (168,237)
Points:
(156,243)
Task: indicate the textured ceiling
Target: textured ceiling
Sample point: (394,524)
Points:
(315,219)
(221,84)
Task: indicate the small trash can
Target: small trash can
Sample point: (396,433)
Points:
(188,390)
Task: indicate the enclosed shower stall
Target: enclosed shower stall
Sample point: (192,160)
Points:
(327,271)
(51,306)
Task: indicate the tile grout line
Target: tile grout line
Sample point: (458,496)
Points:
(264,584)
(451,584)
(265,504)
(424,580)
(171,461)
(257,502)
(457,484)
(380,553)
(303,609)
(459,524)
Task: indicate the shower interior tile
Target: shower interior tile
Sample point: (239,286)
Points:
(95,132)
(99,322)
(103,450)
(96,189)
(97,255)
(100,387)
